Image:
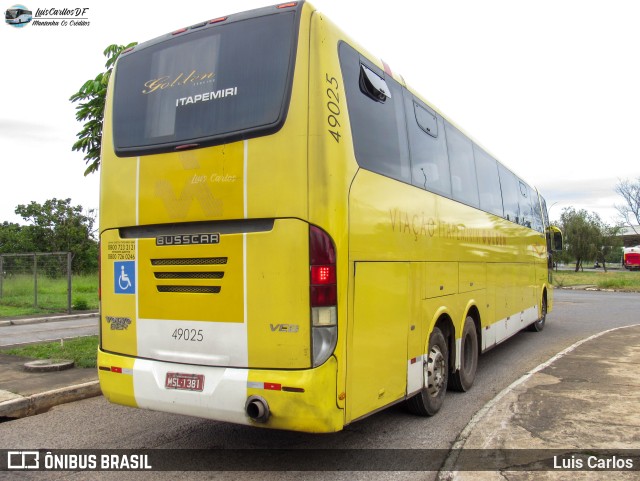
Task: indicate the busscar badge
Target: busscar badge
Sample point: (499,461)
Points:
(187,239)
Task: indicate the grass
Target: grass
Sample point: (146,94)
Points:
(618,280)
(82,350)
(17,297)
(12,311)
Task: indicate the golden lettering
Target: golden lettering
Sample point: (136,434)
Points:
(176,79)
(167,81)
(155,84)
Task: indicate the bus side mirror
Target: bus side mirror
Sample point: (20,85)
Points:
(556,238)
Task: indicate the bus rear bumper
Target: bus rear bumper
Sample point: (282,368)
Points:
(298,400)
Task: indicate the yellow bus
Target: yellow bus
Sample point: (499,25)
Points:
(292,238)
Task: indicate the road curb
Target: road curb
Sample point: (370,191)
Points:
(37,403)
(448,469)
(38,320)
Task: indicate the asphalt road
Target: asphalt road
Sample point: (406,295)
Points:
(94,423)
(48,331)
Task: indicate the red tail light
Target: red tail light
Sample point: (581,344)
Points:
(322,260)
(323,294)
(323,275)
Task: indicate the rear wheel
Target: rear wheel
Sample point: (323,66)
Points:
(539,324)
(436,372)
(462,380)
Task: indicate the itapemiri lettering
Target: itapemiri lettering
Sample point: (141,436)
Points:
(207,96)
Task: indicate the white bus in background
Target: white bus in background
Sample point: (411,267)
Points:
(17,15)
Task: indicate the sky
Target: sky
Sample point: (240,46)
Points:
(550,87)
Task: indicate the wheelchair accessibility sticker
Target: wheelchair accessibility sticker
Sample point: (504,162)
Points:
(124,275)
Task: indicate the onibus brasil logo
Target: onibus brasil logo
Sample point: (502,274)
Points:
(18,16)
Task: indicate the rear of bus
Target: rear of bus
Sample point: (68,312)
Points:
(218,282)
(631,258)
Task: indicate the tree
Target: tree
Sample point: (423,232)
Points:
(608,242)
(92,97)
(630,210)
(57,226)
(584,235)
(11,238)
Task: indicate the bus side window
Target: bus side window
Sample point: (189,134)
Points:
(426,119)
(377,125)
(488,182)
(545,213)
(464,183)
(429,161)
(526,214)
(538,222)
(510,194)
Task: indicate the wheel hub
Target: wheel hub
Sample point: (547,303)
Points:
(435,371)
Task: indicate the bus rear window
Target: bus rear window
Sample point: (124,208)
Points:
(205,87)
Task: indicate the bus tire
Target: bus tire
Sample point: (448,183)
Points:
(462,379)
(436,372)
(538,326)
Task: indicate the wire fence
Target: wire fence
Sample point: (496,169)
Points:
(38,280)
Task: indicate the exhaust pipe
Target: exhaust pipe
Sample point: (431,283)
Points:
(257,409)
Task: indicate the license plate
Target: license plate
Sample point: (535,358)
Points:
(185,382)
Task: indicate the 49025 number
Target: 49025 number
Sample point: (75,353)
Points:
(193,335)
(333,107)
